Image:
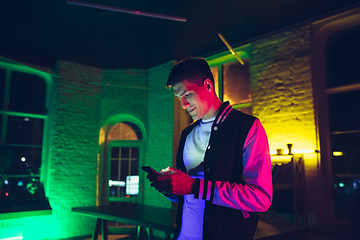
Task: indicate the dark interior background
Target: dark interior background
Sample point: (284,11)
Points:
(45,31)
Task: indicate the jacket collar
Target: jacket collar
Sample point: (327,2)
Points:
(224,110)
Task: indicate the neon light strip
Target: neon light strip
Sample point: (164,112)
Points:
(231,49)
(13,238)
(123,10)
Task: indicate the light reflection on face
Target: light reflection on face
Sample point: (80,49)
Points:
(194,98)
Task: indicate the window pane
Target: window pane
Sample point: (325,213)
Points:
(236,82)
(346,196)
(344,114)
(124,170)
(23,193)
(135,153)
(24,130)
(115,182)
(114,170)
(343,51)
(125,153)
(125,131)
(132,185)
(136,129)
(115,152)
(347,160)
(134,168)
(25,160)
(27,93)
(134,161)
(2,87)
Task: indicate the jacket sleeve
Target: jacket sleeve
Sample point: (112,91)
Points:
(173,198)
(256,194)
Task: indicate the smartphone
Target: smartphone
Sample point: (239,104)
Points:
(149,170)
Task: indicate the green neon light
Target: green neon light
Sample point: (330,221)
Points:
(225,57)
(242,105)
(12,238)
(217,60)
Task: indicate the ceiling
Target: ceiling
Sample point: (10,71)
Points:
(43,31)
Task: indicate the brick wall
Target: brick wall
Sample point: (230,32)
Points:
(160,128)
(74,148)
(283,100)
(282,89)
(121,95)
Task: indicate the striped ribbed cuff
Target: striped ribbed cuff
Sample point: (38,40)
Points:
(203,189)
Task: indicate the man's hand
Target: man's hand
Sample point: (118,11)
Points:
(173,181)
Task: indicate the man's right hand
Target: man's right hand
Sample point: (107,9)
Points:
(172,181)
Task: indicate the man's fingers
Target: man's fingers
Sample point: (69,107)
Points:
(164,177)
(162,186)
(173,170)
(152,177)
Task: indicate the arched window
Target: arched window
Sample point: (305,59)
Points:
(123,155)
(125,131)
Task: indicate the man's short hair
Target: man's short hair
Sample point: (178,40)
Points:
(193,69)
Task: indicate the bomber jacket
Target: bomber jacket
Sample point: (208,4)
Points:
(237,176)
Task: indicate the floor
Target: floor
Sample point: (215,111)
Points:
(117,237)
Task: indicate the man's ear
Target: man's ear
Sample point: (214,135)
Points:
(209,85)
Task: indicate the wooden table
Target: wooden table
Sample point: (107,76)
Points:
(147,218)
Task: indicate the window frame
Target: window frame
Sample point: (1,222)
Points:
(103,156)
(127,143)
(322,30)
(218,60)
(47,117)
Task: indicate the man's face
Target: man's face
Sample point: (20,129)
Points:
(195,99)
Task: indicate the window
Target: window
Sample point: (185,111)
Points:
(120,177)
(125,155)
(233,82)
(23,124)
(343,96)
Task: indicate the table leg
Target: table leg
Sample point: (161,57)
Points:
(97,229)
(104,228)
(138,231)
(149,233)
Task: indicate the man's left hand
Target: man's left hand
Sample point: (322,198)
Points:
(174,181)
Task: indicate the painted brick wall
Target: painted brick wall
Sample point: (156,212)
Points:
(282,88)
(75,147)
(160,128)
(120,96)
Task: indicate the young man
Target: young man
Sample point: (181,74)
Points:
(223,175)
